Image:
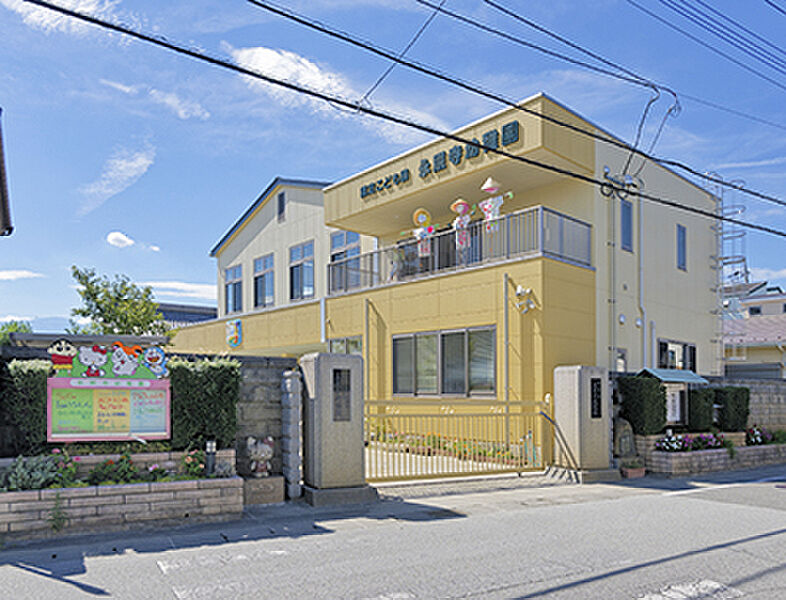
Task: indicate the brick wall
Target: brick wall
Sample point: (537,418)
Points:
(26,514)
(706,461)
(767,403)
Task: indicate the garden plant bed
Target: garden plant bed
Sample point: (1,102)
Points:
(58,511)
(166,460)
(704,461)
(645,444)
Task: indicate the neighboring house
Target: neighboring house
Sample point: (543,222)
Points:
(567,275)
(276,254)
(180,315)
(755,341)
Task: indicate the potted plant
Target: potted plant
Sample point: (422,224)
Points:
(632,468)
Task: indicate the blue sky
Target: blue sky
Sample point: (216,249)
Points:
(130,159)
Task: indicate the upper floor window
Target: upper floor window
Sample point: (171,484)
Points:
(676,355)
(754,310)
(682,251)
(282,206)
(301,271)
(263,281)
(233,289)
(344,245)
(626,223)
(347,345)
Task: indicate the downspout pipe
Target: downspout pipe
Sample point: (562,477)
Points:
(642,310)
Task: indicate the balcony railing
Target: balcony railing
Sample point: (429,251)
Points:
(536,231)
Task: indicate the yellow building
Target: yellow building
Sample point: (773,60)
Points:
(567,274)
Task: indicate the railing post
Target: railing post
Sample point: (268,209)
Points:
(507,235)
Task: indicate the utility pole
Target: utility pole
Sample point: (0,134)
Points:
(5,207)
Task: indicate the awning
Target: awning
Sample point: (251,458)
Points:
(674,376)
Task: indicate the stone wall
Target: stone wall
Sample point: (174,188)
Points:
(767,402)
(101,508)
(259,405)
(706,461)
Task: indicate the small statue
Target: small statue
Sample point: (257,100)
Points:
(259,454)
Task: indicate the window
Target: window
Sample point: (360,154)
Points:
(784,308)
(344,245)
(755,310)
(301,271)
(233,289)
(682,260)
(263,281)
(676,355)
(622,360)
(282,206)
(626,223)
(347,345)
(445,363)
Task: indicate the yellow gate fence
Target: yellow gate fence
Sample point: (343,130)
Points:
(419,439)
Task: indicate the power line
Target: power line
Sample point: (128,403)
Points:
(776,7)
(515,40)
(403,52)
(706,45)
(475,89)
(157,41)
(712,25)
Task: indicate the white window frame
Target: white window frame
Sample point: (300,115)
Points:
(263,271)
(300,262)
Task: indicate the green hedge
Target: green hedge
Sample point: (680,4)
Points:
(733,401)
(700,403)
(204,405)
(204,402)
(24,403)
(643,404)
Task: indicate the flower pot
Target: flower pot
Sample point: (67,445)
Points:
(633,472)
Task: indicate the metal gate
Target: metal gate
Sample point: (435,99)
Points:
(419,439)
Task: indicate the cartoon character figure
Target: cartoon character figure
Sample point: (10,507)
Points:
(491,206)
(259,454)
(234,332)
(63,353)
(93,357)
(156,360)
(125,359)
(460,223)
(422,218)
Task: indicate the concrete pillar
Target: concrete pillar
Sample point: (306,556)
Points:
(291,429)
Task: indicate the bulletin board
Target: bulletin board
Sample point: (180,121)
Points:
(86,409)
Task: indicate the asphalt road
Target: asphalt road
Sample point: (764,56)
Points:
(714,537)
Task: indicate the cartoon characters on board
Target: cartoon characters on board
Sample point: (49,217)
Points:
(62,352)
(156,360)
(234,332)
(117,360)
(93,357)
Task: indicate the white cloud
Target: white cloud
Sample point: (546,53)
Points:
(154,248)
(203,291)
(120,172)
(49,20)
(119,239)
(184,109)
(120,87)
(9,318)
(760,274)
(19,274)
(293,68)
(754,164)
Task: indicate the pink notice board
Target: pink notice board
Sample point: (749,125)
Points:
(97,409)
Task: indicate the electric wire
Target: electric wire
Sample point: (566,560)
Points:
(473,88)
(706,45)
(201,56)
(776,7)
(402,54)
(713,26)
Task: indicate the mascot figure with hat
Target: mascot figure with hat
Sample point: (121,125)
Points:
(491,206)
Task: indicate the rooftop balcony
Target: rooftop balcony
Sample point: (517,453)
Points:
(529,233)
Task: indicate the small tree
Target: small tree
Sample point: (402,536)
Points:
(13,327)
(115,306)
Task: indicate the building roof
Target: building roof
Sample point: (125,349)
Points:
(260,201)
(756,331)
(673,375)
(742,289)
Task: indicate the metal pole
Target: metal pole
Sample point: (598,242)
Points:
(5,209)
(507,364)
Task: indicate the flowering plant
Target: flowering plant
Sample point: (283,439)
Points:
(155,472)
(686,443)
(193,463)
(756,436)
(65,466)
(122,470)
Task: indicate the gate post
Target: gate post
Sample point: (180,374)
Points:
(291,402)
(333,446)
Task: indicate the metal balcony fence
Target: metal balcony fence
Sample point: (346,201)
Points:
(536,231)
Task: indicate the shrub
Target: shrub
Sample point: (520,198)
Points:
(34,473)
(193,463)
(204,402)
(643,404)
(779,437)
(122,470)
(24,400)
(733,401)
(700,403)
